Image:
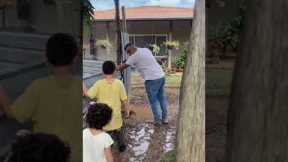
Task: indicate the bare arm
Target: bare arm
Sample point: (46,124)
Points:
(85,90)
(125,108)
(122,67)
(108,154)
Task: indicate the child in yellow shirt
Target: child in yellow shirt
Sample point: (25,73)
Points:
(53,103)
(112,92)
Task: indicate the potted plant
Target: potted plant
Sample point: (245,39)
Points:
(154,48)
(172,44)
(104,44)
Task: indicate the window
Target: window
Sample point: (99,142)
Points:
(145,40)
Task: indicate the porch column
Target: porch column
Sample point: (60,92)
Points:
(170,39)
(107,31)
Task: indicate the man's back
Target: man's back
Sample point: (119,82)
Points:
(146,64)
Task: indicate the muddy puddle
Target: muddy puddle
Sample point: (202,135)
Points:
(142,137)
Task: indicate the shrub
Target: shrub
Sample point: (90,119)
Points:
(154,48)
(172,44)
(181,59)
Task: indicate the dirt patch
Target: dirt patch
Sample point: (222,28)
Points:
(216,119)
(146,142)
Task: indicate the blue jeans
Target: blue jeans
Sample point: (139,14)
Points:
(156,93)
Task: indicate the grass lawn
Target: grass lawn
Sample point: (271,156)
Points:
(173,80)
(218,82)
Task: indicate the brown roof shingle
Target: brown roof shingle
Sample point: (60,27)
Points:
(147,13)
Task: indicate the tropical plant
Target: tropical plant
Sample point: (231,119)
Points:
(181,59)
(154,48)
(228,34)
(172,44)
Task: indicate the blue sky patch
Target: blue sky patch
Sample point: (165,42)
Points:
(109,4)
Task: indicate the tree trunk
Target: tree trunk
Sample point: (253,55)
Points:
(118,30)
(257,120)
(191,121)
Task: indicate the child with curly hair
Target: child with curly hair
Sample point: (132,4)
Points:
(96,142)
(39,147)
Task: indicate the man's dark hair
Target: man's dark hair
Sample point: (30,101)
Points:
(98,115)
(108,67)
(39,148)
(61,49)
(127,46)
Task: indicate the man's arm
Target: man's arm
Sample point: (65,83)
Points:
(122,67)
(125,108)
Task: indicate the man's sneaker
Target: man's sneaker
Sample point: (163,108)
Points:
(165,121)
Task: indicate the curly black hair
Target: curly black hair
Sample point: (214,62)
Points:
(108,67)
(61,49)
(98,115)
(39,147)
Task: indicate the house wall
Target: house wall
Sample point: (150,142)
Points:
(42,16)
(102,30)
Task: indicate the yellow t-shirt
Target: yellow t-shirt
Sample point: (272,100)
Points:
(54,106)
(112,94)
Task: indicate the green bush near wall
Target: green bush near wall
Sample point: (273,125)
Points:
(181,59)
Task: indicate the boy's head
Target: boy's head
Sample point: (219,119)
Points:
(108,68)
(61,49)
(98,115)
(39,148)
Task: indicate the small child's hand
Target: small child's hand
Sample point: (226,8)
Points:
(127,113)
(85,90)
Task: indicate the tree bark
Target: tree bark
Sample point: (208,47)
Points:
(191,122)
(257,119)
(118,30)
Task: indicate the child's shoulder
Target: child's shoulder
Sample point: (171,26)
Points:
(99,82)
(103,135)
(117,81)
(40,81)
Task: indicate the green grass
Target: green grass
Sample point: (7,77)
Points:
(169,157)
(173,80)
(218,82)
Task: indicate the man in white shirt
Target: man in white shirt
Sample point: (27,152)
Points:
(148,67)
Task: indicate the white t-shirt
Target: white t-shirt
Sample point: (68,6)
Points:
(146,64)
(94,145)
